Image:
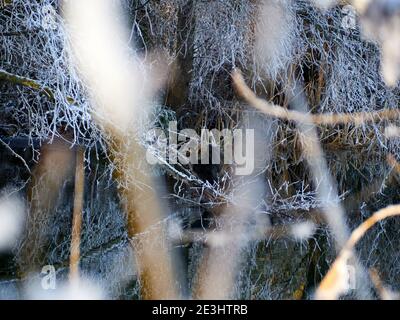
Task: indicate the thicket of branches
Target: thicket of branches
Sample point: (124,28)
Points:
(276,44)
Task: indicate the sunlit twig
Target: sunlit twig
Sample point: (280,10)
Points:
(272,110)
(334,283)
(77,214)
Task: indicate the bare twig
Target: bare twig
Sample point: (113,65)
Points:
(48,176)
(272,110)
(77,214)
(382,290)
(391,159)
(324,183)
(335,283)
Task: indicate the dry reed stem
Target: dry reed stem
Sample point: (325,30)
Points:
(48,177)
(390,158)
(376,280)
(272,110)
(120,94)
(326,186)
(334,283)
(77,214)
(144,216)
(224,256)
(323,181)
(383,292)
(217,272)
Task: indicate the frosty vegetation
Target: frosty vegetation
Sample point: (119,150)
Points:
(316,80)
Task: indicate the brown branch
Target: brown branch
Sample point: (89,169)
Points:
(272,110)
(5,3)
(118,104)
(335,282)
(391,159)
(26,82)
(30,83)
(77,214)
(53,169)
(382,290)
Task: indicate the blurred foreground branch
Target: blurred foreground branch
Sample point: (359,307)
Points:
(48,177)
(120,93)
(322,179)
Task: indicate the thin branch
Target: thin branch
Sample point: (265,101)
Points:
(15,154)
(77,214)
(143,208)
(30,83)
(382,290)
(272,110)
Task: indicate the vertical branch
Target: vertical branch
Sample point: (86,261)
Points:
(323,181)
(77,214)
(178,91)
(324,184)
(121,90)
(48,177)
(224,256)
(145,216)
